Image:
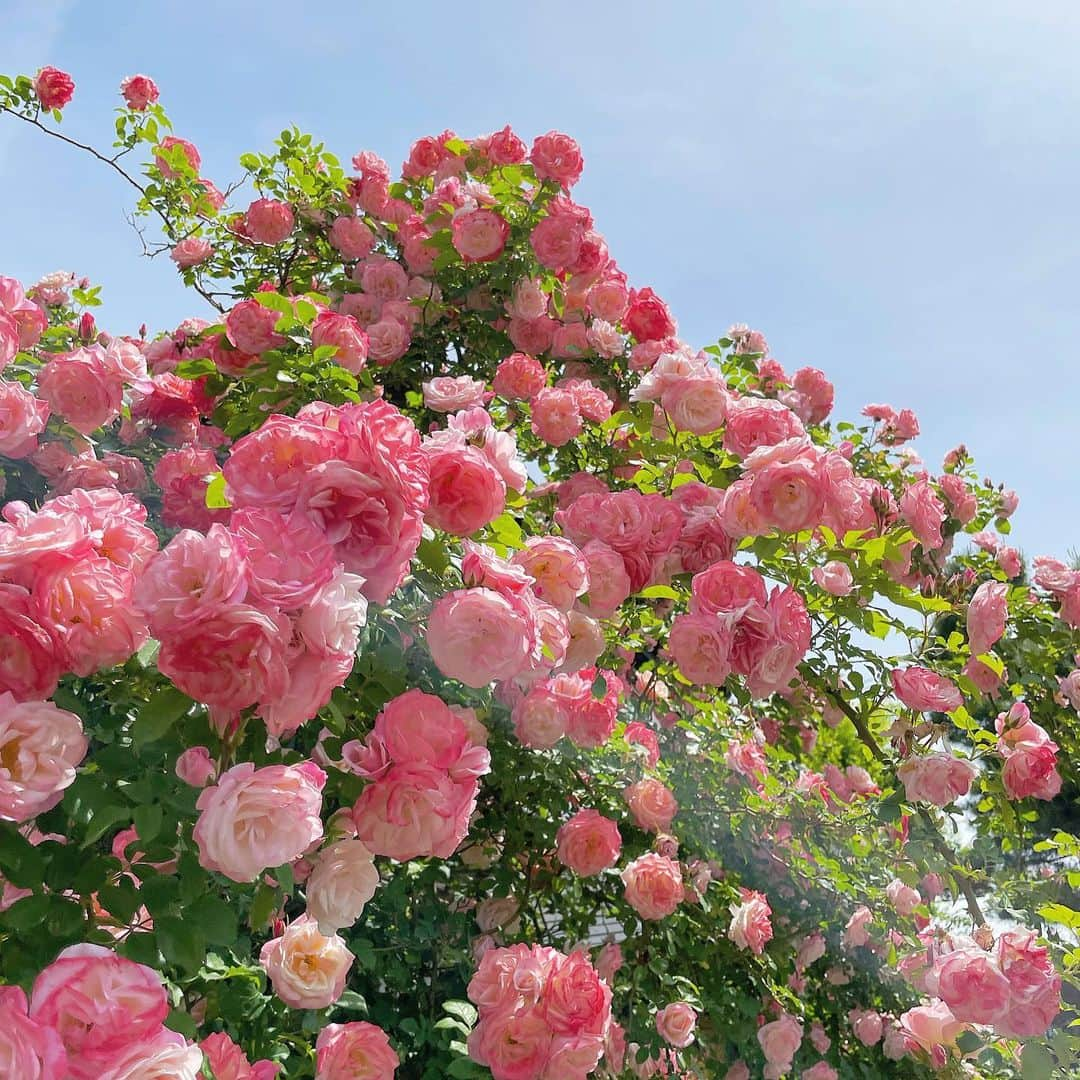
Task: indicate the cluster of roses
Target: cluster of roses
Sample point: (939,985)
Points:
(423,759)
(543,1015)
(734,625)
(1062,583)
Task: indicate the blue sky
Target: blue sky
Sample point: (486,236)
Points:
(888,190)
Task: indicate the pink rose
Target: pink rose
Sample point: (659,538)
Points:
(540,718)
(22,419)
(268,221)
(250,327)
(652,805)
(697,403)
(903,898)
(80,388)
(351,236)
(558,568)
(834,577)
(985,678)
(344,334)
(505,148)
(867,1025)
(176,147)
(388,340)
(556,156)
(479,235)
(556,417)
(931,1027)
(726,588)
(466,491)
(254,819)
(609,299)
(821,1070)
(701,646)
(653,886)
(478,636)
(987,614)
(139,91)
(231,657)
(445,394)
(343,881)
(970,982)
(1034,984)
(519,377)
(756,422)
(779,1040)
(588,843)
(751,927)
(195,767)
(921,689)
(790,495)
(608,582)
(354,1051)
(676,1023)
(924,512)
(306,969)
(937,778)
(99,1003)
(855,932)
(165,1053)
(1032,772)
(9,338)
(229,1062)
(27,1048)
(191,251)
(648,317)
(54,88)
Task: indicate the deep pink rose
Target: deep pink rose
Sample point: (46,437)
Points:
(466,491)
(519,377)
(756,422)
(648,317)
(171,144)
(254,819)
(54,88)
(250,327)
(139,91)
(81,388)
(27,1048)
(701,646)
(588,843)
(556,156)
(22,419)
(268,221)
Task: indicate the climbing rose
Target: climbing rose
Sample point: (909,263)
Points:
(54,88)
(139,92)
(751,927)
(921,689)
(354,1051)
(306,969)
(676,1023)
(343,881)
(653,885)
(588,843)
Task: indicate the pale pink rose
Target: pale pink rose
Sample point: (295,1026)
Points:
(609,299)
(195,767)
(27,1048)
(931,1027)
(750,926)
(478,636)
(528,300)
(867,1025)
(22,420)
(924,690)
(556,417)
(479,235)
(540,718)
(306,969)
(558,568)
(345,335)
(231,657)
(985,678)
(1034,984)
(588,843)
(1032,772)
(653,886)
(608,581)
(519,377)
(255,819)
(701,646)
(675,1024)
(191,251)
(894,1046)
(556,156)
(99,1003)
(354,1051)
(388,340)
(532,336)
(987,615)
(445,394)
(9,338)
(855,933)
(166,1053)
(739,1071)
(651,804)
(903,898)
(970,982)
(697,403)
(924,512)
(250,327)
(609,961)
(80,387)
(53,88)
(605,340)
(748,759)
(1008,558)
(343,881)
(779,1040)
(821,1070)
(820,1040)
(139,92)
(383,277)
(193,575)
(937,778)
(756,422)
(570,341)
(415,810)
(351,236)
(738,515)
(834,577)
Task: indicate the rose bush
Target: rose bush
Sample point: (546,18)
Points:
(421,662)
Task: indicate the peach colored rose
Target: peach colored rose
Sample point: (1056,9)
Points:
(588,843)
(653,886)
(343,881)
(306,969)
(652,805)
(676,1023)
(354,1051)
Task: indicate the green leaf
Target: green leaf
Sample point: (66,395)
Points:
(1037,1062)
(216,497)
(159,714)
(181,942)
(659,592)
(433,555)
(262,907)
(215,918)
(463,1010)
